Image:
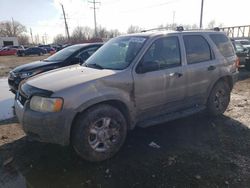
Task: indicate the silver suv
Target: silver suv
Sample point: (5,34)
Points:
(133,80)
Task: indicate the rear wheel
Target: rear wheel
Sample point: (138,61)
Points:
(99,133)
(219,99)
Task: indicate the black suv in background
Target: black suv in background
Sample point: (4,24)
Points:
(243,54)
(71,55)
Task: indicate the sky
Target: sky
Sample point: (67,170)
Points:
(45,17)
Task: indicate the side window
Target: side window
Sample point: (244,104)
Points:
(85,54)
(197,49)
(163,53)
(223,44)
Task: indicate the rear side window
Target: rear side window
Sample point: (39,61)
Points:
(223,44)
(197,49)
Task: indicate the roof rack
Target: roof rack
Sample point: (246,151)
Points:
(157,28)
(178,28)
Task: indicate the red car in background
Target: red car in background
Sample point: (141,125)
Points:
(8,51)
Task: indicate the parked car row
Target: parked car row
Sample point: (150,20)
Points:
(10,50)
(132,80)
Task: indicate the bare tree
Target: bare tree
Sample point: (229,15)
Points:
(60,39)
(81,34)
(37,39)
(212,24)
(23,39)
(134,29)
(102,32)
(114,33)
(88,32)
(77,35)
(11,29)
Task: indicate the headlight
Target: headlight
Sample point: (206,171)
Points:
(28,74)
(43,104)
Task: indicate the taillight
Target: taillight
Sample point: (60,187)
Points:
(237,62)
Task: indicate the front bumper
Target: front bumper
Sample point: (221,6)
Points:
(45,127)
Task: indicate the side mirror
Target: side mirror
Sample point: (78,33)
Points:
(147,66)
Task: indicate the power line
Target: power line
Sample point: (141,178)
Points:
(94,8)
(65,22)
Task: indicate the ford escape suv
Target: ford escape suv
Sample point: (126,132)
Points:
(133,80)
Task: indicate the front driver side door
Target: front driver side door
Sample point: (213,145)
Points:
(159,79)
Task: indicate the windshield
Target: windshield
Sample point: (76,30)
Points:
(64,53)
(117,54)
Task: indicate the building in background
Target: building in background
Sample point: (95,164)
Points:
(8,41)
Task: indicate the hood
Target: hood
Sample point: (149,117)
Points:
(34,65)
(66,77)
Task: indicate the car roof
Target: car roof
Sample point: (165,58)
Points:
(89,44)
(162,33)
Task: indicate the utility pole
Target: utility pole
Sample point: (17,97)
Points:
(14,29)
(31,36)
(173,19)
(201,17)
(65,21)
(45,38)
(94,8)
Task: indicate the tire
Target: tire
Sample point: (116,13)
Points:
(99,133)
(247,66)
(23,54)
(40,53)
(219,99)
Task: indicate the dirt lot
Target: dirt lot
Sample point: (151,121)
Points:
(9,62)
(196,152)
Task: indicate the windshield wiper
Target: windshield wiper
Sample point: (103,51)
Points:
(94,65)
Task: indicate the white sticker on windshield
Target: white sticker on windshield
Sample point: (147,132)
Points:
(137,39)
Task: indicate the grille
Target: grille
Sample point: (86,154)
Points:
(21,98)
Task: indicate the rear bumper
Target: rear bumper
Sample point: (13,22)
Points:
(45,127)
(235,77)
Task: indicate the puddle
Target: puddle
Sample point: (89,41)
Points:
(6,100)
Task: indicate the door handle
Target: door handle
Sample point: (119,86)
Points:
(210,68)
(176,74)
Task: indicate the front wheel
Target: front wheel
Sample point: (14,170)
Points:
(99,133)
(218,99)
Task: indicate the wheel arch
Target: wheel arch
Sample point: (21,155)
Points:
(120,105)
(227,79)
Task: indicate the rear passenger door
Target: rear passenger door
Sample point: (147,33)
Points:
(200,65)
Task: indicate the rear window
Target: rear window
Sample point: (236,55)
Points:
(197,49)
(223,44)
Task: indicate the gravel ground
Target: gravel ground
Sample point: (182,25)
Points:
(198,151)
(7,63)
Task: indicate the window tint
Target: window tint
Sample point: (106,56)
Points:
(85,54)
(163,53)
(223,44)
(197,49)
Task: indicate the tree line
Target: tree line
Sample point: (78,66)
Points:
(80,34)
